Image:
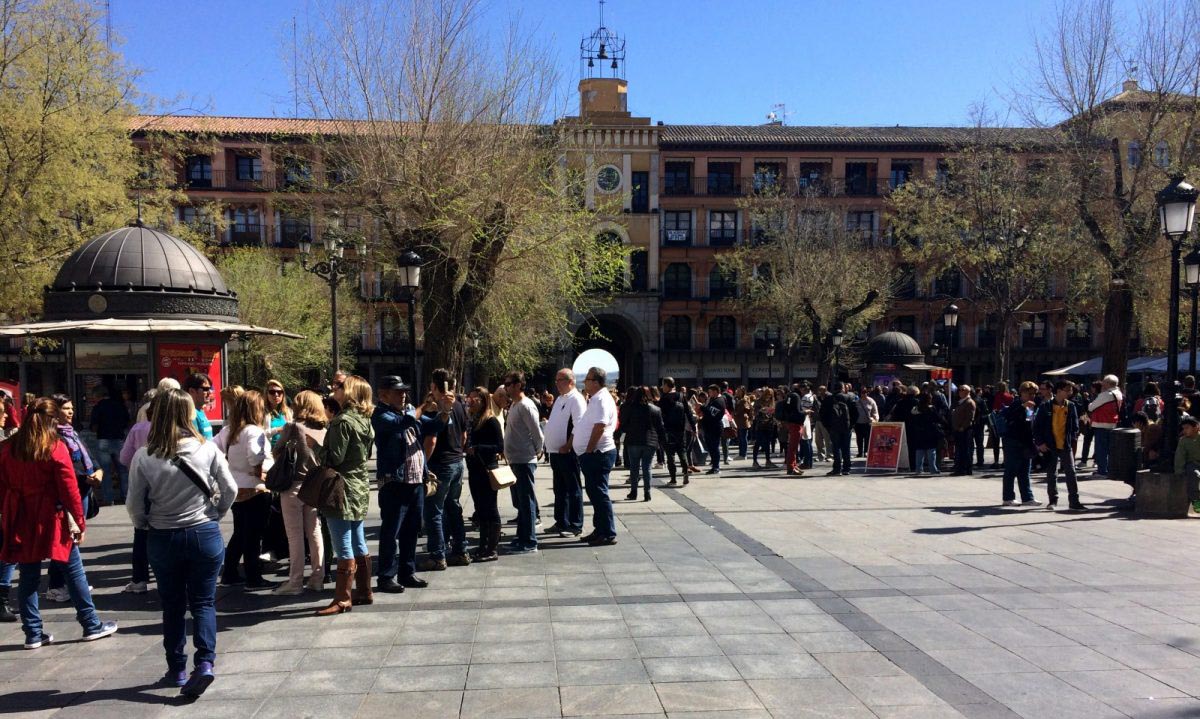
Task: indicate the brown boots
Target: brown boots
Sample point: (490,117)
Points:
(341,593)
(362,582)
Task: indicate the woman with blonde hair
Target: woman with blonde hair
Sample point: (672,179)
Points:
(279,412)
(300,521)
(348,442)
(229,397)
(244,442)
(180,487)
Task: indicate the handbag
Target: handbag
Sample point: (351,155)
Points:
(431,484)
(501,476)
(324,489)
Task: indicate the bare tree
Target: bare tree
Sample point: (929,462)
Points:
(1122,140)
(805,274)
(441,141)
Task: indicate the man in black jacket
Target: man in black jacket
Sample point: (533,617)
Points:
(839,412)
(677,422)
(1018,446)
(712,422)
(641,426)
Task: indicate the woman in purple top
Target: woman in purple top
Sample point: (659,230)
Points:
(135,440)
(87,474)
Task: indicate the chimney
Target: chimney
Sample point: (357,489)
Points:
(1129,85)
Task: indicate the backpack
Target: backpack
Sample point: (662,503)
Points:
(284,473)
(839,414)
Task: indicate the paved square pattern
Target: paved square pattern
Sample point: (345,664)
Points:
(747,595)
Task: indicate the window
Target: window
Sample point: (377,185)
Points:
(988,332)
(677,333)
(1135,153)
(677,282)
(1034,332)
(722,333)
(948,285)
(248,168)
(900,174)
(947,336)
(296,172)
(767,175)
(860,178)
(813,178)
(722,284)
(677,178)
(639,267)
(199,171)
(906,283)
(291,229)
(1162,154)
(245,226)
(862,224)
(942,178)
(196,218)
(906,324)
(1079,332)
(722,178)
(639,200)
(766,334)
(722,228)
(677,228)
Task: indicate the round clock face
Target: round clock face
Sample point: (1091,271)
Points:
(97,303)
(608,179)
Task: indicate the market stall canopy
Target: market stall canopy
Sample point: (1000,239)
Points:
(1158,364)
(1086,368)
(157,326)
(922,367)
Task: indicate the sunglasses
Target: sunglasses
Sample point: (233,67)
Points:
(274,391)
(206,389)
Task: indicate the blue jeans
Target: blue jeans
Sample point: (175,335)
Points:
(6,568)
(743,442)
(77,586)
(641,456)
(1016,466)
(806,451)
(568,491)
(712,442)
(526,504)
(1101,437)
(596,467)
(347,537)
(839,446)
(400,508)
(443,512)
(54,576)
(927,456)
(186,562)
(109,458)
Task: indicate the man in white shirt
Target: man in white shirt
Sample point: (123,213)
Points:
(565,416)
(593,442)
(522,443)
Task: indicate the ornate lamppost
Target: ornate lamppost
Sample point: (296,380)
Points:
(950,325)
(410,280)
(835,338)
(770,362)
(1191,276)
(334,267)
(1176,212)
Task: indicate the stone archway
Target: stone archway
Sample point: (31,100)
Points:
(620,338)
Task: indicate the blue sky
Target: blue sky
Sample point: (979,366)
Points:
(870,62)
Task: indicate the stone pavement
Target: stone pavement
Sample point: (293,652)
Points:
(746,595)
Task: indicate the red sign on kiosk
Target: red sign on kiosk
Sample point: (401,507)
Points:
(180,360)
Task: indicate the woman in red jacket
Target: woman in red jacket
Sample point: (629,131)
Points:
(37,492)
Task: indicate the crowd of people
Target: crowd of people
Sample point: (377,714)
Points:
(304,459)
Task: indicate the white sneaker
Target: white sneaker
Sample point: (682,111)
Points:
(1010,503)
(288,590)
(58,595)
(1031,503)
(136,588)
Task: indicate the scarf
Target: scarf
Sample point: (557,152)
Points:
(79,453)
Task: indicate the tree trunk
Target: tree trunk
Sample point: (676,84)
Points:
(1118,328)
(1003,350)
(445,322)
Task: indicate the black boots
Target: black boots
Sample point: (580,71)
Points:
(489,540)
(6,614)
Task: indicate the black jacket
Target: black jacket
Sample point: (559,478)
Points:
(926,428)
(712,415)
(641,425)
(488,441)
(1019,430)
(675,415)
(826,411)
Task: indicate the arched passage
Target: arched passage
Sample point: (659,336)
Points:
(618,337)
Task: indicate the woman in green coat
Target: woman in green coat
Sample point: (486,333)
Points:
(348,442)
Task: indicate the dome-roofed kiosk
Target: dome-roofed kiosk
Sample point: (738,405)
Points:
(133,306)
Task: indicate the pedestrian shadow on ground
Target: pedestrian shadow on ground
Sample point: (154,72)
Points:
(52,699)
(1107,510)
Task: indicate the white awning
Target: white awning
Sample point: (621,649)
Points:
(1086,368)
(922,367)
(146,326)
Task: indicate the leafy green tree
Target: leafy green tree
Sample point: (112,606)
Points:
(271,294)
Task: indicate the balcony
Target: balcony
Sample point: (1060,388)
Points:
(726,186)
(677,238)
(281,180)
(861,186)
(284,235)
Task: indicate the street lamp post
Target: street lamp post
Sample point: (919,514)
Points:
(410,280)
(835,338)
(334,267)
(1191,276)
(1176,211)
(950,323)
(770,362)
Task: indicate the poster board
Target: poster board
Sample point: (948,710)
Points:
(180,360)
(887,450)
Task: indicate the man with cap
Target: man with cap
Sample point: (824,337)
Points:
(400,469)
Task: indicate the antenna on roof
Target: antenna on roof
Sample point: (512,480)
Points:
(778,114)
(295,73)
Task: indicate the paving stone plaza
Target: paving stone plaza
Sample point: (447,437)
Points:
(744,596)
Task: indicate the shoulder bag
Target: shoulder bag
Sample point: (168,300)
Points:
(501,476)
(324,489)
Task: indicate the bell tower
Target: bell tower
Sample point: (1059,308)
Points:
(603,89)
